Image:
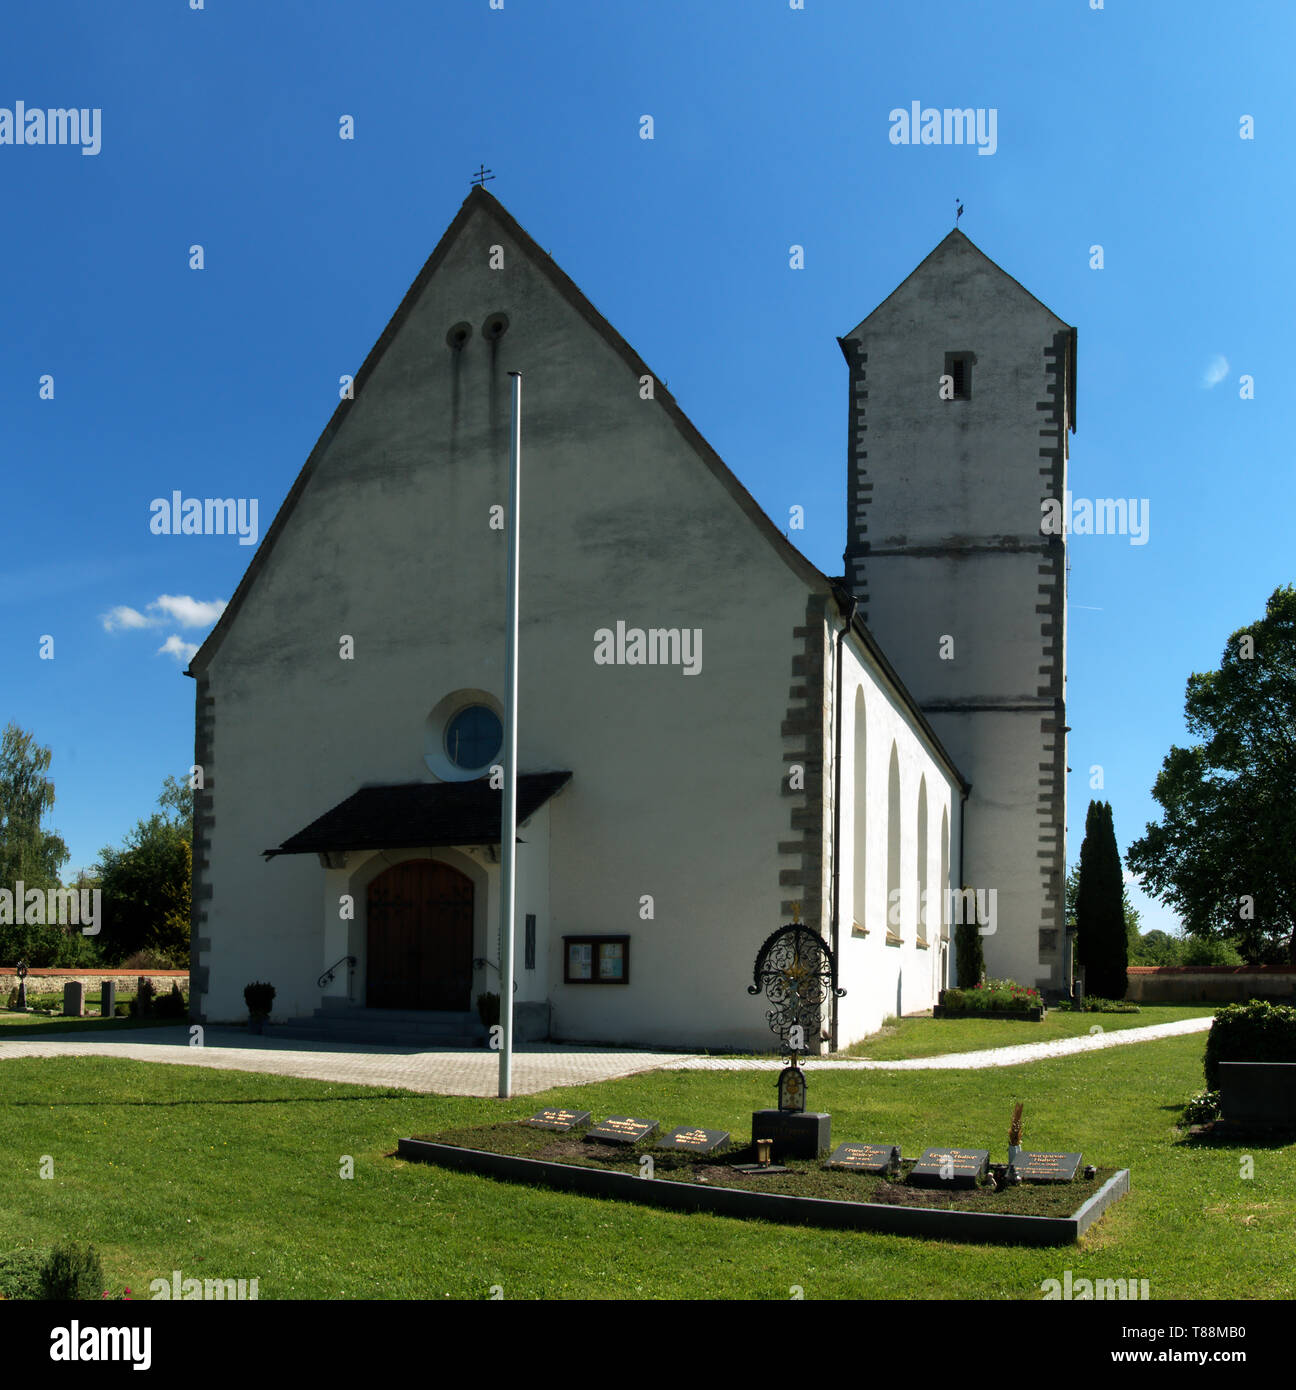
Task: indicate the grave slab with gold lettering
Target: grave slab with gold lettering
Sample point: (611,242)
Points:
(562,1120)
(950,1168)
(623,1129)
(1033,1167)
(690,1139)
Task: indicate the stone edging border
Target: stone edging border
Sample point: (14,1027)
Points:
(992,1227)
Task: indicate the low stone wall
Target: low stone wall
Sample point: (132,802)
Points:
(1224,984)
(51,981)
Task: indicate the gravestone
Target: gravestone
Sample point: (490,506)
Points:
(73,999)
(965,1167)
(622,1129)
(561,1120)
(797,970)
(1261,1094)
(1033,1167)
(866,1158)
(108,998)
(692,1140)
(796,1134)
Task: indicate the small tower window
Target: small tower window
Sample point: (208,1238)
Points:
(958,365)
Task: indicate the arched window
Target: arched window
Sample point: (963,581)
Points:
(923,903)
(859,808)
(895,917)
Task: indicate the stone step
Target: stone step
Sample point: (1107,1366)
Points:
(311,1031)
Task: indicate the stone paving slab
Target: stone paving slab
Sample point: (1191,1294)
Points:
(537,1067)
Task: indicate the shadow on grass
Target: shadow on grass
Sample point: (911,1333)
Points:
(234,1100)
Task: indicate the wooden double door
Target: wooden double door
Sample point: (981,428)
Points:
(420,933)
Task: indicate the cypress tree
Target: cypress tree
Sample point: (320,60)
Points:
(1100,916)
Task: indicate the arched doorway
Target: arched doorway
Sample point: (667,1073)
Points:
(420,931)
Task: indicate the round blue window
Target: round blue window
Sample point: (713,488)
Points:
(474,737)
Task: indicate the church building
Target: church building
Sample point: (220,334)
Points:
(714,736)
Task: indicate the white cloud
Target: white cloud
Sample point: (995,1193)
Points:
(1215,372)
(166,608)
(121,616)
(188,612)
(177,647)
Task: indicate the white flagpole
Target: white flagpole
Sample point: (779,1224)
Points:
(508,812)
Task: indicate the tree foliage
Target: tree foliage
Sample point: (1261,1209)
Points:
(1224,852)
(146,884)
(1102,938)
(27,851)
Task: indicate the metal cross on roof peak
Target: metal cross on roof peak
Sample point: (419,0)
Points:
(480,177)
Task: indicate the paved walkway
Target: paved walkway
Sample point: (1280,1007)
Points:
(476,1073)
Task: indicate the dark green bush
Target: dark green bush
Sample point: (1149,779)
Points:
(171,1005)
(258,997)
(1201,1109)
(488,1009)
(1256,1031)
(995,996)
(969,957)
(1092,1004)
(72,1272)
(20,1273)
(142,1005)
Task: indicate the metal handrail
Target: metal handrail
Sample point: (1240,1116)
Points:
(327,977)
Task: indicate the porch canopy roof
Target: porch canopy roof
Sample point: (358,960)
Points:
(421,815)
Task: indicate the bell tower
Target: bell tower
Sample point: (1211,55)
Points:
(962,397)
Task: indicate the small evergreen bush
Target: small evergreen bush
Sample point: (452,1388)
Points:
(1092,1004)
(20,1273)
(969,957)
(1201,1109)
(1256,1031)
(488,1009)
(142,1005)
(72,1272)
(171,1005)
(258,997)
(995,996)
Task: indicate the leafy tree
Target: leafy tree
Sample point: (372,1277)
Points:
(1224,852)
(26,851)
(1101,929)
(29,854)
(146,885)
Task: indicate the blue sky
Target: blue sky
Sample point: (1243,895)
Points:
(220,127)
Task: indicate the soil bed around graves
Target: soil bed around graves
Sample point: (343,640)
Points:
(804,1178)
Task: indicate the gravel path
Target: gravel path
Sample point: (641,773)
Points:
(475,1073)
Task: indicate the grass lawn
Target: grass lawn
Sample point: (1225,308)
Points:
(236,1175)
(41,1024)
(934,1037)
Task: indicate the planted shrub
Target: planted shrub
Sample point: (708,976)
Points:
(488,1009)
(1091,1004)
(1202,1108)
(72,1272)
(142,1005)
(171,1005)
(258,997)
(20,1273)
(121,1009)
(1256,1031)
(969,957)
(994,996)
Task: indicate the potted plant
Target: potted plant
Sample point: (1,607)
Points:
(488,1010)
(258,997)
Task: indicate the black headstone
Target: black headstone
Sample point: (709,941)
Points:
(965,1167)
(622,1129)
(866,1158)
(559,1119)
(1047,1167)
(693,1140)
(796,1134)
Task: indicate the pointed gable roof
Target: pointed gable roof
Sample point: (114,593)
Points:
(956,242)
(481,201)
